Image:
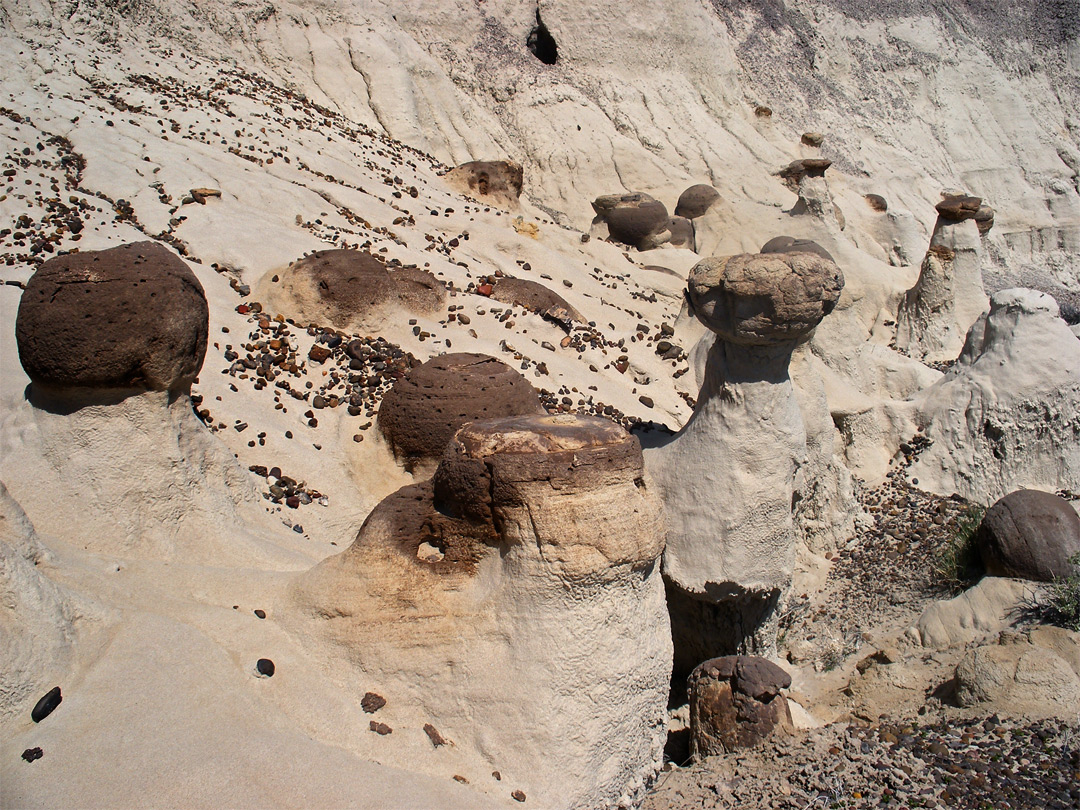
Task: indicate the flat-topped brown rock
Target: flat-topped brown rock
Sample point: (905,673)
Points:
(352,290)
(764,299)
(498,181)
(958,207)
(424,409)
(131,317)
(536,297)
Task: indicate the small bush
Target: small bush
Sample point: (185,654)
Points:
(1064,599)
(956,563)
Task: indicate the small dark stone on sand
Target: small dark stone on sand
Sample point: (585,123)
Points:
(260,613)
(265,667)
(436,738)
(44,707)
(518,795)
(371,702)
(380,728)
(30,754)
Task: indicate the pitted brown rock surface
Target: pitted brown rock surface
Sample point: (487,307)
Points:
(354,285)
(735,703)
(424,409)
(755,299)
(789,244)
(131,317)
(536,297)
(1029,534)
(630,218)
(499,180)
(696,200)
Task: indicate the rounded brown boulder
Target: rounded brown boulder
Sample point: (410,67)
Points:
(789,244)
(352,290)
(696,200)
(630,218)
(1030,535)
(132,317)
(424,409)
(536,297)
(755,299)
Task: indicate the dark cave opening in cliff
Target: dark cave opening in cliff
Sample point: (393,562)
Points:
(542,43)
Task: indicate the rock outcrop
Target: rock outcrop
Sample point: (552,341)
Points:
(729,476)
(351,290)
(496,181)
(1007,415)
(516,599)
(949,297)
(735,703)
(131,318)
(426,407)
(1029,534)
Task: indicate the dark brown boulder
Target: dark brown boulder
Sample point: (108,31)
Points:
(696,200)
(424,409)
(958,207)
(536,297)
(497,180)
(735,702)
(132,317)
(984,218)
(789,244)
(1030,535)
(630,218)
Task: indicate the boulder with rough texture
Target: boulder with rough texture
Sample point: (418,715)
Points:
(735,703)
(630,218)
(949,296)
(497,181)
(696,200)
(351,290)
(1029,534)
(534,296)
(515,602)
(1020,675)
(958,207)
(788,244)
(728,477)
(132,317)
(427,406)
(1007,416)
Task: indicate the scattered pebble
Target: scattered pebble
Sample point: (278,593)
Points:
(45,706)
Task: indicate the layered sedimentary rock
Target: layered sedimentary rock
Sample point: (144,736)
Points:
(1007,415)
(352,290)
(425,408)
(729,476)
(132,317)
(516,599)
(948,298)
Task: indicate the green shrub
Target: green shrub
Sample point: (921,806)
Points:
(1064,607)
(956,564)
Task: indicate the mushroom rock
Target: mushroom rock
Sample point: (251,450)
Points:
(948,298)
(696,200)
(112,341)
(806,178)
(130,318)
(423,409)
(729,476)
(536,297)
(1007,415)
(496,181)
(516,602)
(1029,534)
(351,290)
(735,703)
(629,218)
(789,244)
